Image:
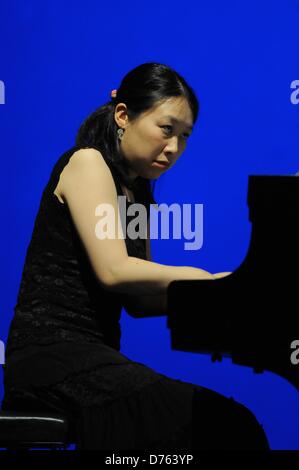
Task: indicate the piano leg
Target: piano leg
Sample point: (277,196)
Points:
(221,423)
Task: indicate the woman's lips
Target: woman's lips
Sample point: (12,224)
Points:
(162,165)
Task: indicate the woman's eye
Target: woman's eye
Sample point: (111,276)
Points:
(170,128)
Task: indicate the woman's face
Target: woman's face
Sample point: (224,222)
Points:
(159,134)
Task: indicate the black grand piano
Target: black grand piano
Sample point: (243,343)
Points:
(251,315)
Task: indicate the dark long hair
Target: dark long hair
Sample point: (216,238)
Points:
(140,90)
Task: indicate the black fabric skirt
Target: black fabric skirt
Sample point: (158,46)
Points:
(114,403)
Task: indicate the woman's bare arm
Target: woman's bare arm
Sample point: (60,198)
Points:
(140,306)
(86,182)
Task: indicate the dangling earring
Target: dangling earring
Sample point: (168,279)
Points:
(120,133)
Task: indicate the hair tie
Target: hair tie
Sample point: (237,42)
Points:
(113,93)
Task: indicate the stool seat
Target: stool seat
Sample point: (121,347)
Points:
(33,429)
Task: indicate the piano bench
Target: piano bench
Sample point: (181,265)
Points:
(25,430)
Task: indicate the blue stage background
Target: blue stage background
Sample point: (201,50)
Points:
(60,60)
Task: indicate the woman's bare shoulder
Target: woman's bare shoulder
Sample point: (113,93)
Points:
(85,157)
(82,161)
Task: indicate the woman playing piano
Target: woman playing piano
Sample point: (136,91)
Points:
(63,350)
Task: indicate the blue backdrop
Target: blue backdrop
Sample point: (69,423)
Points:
(60,60)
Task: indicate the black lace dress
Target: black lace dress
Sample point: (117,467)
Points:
(63,352)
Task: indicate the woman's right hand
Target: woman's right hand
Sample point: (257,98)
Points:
(223,274)
(192,273)
(202,274)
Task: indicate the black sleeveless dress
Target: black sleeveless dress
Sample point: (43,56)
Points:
(63,354)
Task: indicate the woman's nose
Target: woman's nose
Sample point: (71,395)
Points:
(172,145)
